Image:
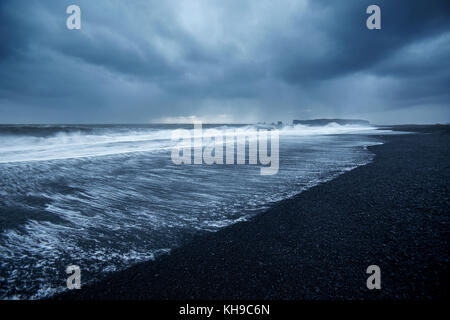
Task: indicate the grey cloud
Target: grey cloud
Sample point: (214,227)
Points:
(254,60)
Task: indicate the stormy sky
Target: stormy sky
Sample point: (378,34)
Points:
(222,61)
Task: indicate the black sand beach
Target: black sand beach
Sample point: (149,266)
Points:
(392,213)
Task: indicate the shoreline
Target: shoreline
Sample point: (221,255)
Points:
(391,212)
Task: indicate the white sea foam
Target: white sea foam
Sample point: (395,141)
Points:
(79,145)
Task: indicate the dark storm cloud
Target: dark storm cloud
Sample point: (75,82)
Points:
(142,61)
(346,48)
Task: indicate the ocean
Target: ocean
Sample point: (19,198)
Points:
(105,197)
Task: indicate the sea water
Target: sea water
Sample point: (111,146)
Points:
(105,197)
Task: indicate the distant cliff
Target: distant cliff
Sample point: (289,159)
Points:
(323,122)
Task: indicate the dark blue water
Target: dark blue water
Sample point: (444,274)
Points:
(107,197)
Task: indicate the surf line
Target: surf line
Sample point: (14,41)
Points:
(208,147)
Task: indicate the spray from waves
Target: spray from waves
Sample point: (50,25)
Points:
(75,142)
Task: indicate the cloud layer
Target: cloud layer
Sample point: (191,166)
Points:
(239,60)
